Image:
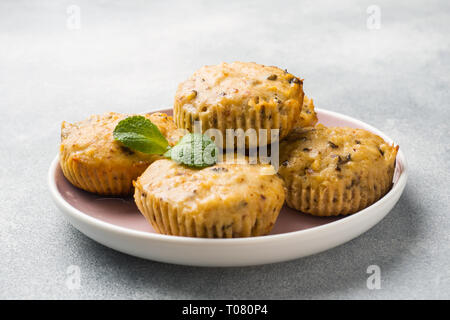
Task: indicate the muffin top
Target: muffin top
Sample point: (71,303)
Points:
(308,116)
(223,188)
(322,155)
(240,85)
(92,139)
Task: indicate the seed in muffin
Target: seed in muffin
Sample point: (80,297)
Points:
(219,169)
(126,150)
(272,77)
(344,160)
(295,80)
(333,145)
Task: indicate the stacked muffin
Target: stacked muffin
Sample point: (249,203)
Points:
(324,171)
(240,96)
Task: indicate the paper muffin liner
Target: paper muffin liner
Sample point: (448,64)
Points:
(343,197)
(308,115)
(100,179)
(258,118)
(167,219)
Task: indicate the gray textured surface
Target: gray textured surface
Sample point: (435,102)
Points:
(130,56)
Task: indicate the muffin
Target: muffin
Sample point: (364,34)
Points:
(222,201)
(239,95)
(335,171)
(308,116)
(92,160)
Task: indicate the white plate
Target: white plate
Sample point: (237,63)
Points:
(128,232)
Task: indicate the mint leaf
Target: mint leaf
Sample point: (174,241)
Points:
(140,134)
(194,150)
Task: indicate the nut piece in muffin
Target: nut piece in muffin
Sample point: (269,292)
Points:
(335,171)
(222,201)
(239,95)
(308,116)
(92,160)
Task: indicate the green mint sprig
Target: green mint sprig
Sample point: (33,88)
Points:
(140,134)
(194,150)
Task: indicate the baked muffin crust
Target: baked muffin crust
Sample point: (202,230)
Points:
(91,159)
(332,171)
(221,201)
(308,115)
(239,95)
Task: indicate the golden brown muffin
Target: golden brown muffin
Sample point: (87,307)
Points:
(92,160)
(308,116)
(332,171)
(239,95)
(222,201)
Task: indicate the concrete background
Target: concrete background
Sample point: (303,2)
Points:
(129,56)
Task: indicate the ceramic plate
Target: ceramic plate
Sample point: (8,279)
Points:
(117,223)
